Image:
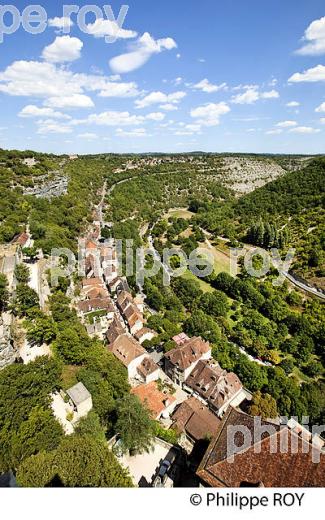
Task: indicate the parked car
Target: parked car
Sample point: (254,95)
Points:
(164,467)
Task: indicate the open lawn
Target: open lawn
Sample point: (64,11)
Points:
(179,213)
(204,286)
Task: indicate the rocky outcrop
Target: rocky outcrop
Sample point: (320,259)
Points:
(49,189)
(8,353)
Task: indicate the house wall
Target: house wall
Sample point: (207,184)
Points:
(132,368)
(136,327)
(153,377)
(84,408)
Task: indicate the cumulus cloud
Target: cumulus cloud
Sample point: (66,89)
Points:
(60,23)
(252,94)
(60,87)
(73,101)
(209,114)
(310,75)
(287,124)
(156,116)
(293,104)
(314,39)
(137,132)
(140,52)
(159,97)
(63,49)
(304,130)
(208,87)
(115,118)
(169,107)
(274,131)
(101,28)
(321,108)
(34,111)
(50,126)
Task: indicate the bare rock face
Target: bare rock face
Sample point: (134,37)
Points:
(8,353)
(245,174)
(49,189)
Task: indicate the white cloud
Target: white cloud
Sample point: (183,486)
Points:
(156,116)
(287,124)
(112,89)
(292,104)
(178,56)
(246,98)
(209,114)
(321,108)
(159,97)
(73,101)
(58,86)
(60,23)
(63,49)
(115,118)
(271,94)
(169,107)
(252,94)
(101,28)
(274,131)
(88,135)
(49,126)
(314,39)
(137,132)
(304,130)
(34,111)
(208,87)
(322,120)
(311,75)
(140,52)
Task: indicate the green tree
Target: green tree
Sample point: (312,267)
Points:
(22,273)
(215,304)
(26,299)
(199,324)
(79,461)
(134,425)
(4,293)
(263,405)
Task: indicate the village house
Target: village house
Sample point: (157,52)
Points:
(254,463)
(81,399)
(127,350)
(145,334)
(180,339)
(180,361)
(194,421)
(115,330)
(23,240)
(148,370)
(159,403)
(117,285)
(215,387)
(70,406)
(130,312)
(97,304)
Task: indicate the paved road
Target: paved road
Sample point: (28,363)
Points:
(304,287)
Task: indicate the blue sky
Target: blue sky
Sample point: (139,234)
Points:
(218,76)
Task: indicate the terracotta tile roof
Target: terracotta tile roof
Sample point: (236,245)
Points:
(91,245)
(142,332)
(126,349)
(133,315)
(184,356)
(294,468)
(115,330)
(147,367)
(181,338)
(96,304)
(215,385)
(86,282)
(22,239)
(155,400)
(95,292)
(195,419)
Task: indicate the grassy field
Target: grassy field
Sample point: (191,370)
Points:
(221,259)
(179,213)
(204,286)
